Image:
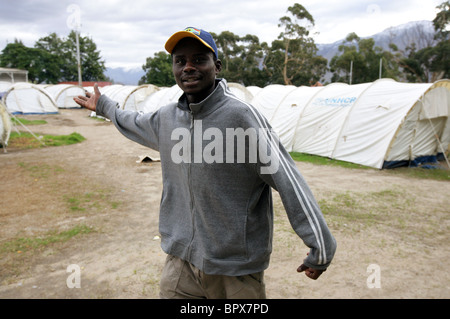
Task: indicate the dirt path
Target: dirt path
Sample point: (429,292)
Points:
(99,184)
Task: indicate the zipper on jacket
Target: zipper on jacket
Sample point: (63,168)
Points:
(192,206)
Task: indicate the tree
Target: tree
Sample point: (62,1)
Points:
(227,45)
(158,70)
(250,62)
(92,67)
(36,61)
(240,58)
(54,46)
(363,59)
(431,63)
(292,58)
(53,59)
(442,20)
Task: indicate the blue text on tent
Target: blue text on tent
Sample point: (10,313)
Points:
(338,101)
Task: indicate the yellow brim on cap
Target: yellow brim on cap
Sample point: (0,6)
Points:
(176,37)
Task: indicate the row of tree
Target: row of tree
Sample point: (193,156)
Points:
(291,59)
(53,59)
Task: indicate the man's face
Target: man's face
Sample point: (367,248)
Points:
(194,69)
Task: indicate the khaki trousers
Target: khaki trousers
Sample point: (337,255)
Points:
(181,280)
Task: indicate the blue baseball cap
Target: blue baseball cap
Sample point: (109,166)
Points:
(190,32)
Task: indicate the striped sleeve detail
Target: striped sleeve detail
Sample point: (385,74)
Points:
(300,194)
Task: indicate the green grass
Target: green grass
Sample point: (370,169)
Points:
(95,200)
(17,121)
(41,170)
(32,243)
(414,172)
(392,211)
(319,160)
(27,140)
(354,212)
(354,207)
(417,172)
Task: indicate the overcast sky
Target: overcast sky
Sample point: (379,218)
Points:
(127,32)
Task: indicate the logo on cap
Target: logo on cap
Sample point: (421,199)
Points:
(193,30)
(199,34)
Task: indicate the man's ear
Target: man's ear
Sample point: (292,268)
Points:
(218,64)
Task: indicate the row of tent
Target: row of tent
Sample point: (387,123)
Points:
(378,124)
(28,98)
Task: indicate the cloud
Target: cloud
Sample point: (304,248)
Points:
(127,32)
(336,19)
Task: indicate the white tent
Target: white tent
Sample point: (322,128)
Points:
(374,124)
(118,93)
(136,97)
(405,122)
(4,86)
(241,92)
(378,124)
(254,89)
(321,120)
(268,99)
(5,126)
(63,94)
(109,89)
(160,98)
(27,98)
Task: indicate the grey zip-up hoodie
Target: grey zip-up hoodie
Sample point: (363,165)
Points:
(216,207)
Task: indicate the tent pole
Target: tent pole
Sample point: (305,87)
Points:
(434,132)
(439,143)
(37,138)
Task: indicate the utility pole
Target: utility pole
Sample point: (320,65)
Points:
(381,68)
(351,72)
(74,23)
(80,82)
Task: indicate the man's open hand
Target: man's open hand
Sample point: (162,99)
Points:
(90,100)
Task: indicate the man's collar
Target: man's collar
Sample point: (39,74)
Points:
(195,107)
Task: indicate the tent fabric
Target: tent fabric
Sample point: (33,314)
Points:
(160,98)
(321,120)
(377,124)
(288,113)
(63,94)
(367,123)
(27,98)
(241,92)
(254,89)
(4,86)
(137,96)
(384,125)
(118,93)
(5,126)
(267,99)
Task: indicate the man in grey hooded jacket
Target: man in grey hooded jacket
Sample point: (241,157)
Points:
(220,159)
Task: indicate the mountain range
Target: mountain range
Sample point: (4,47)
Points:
(125,76)
(419,32)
